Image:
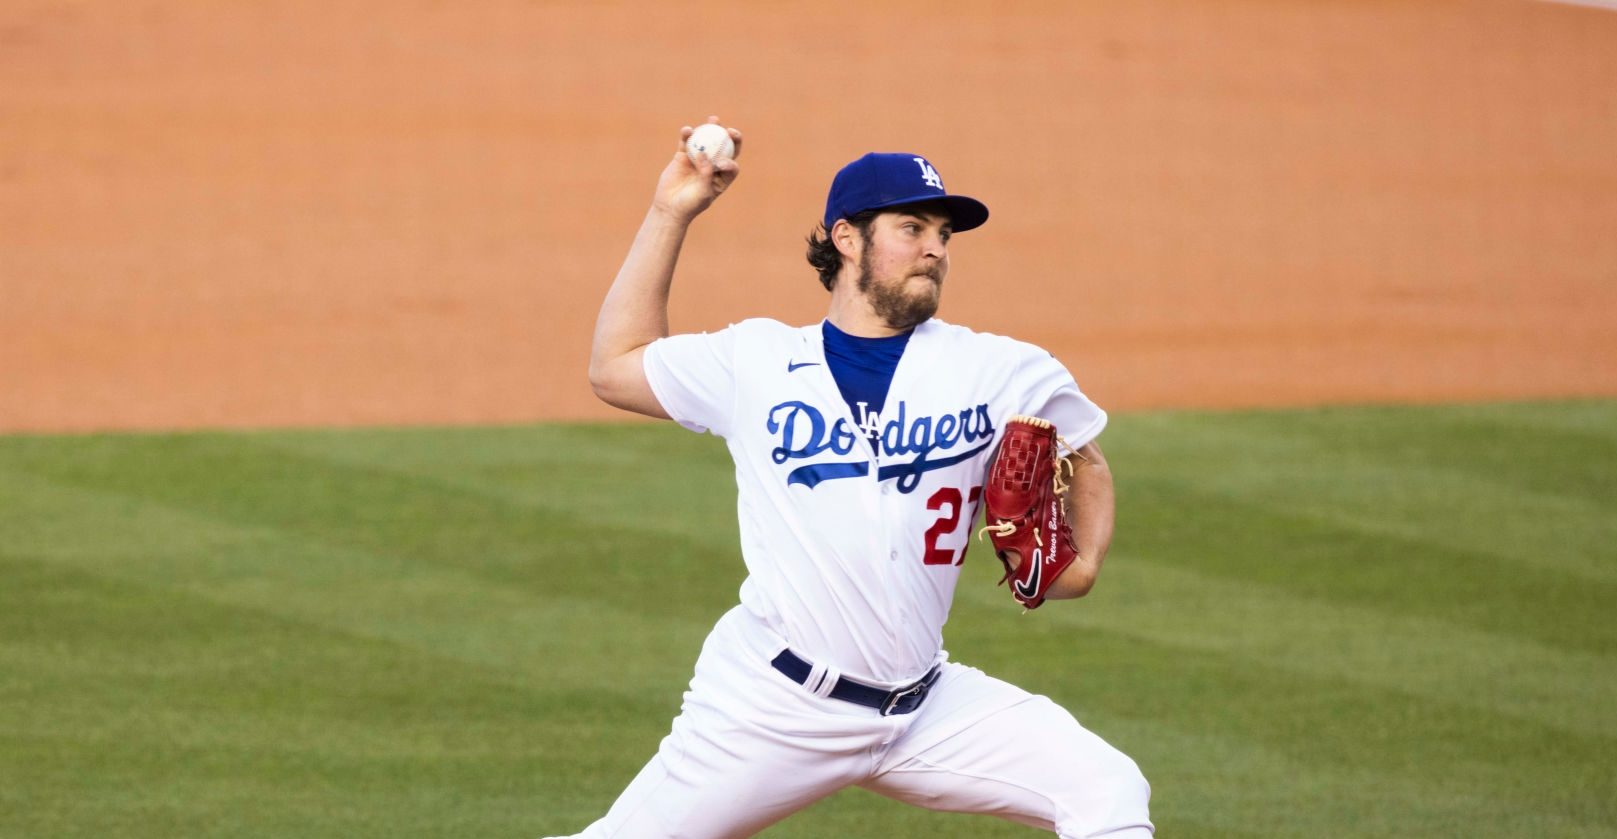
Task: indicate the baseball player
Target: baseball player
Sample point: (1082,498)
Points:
(860,446)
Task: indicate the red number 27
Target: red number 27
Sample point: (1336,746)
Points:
(948,497)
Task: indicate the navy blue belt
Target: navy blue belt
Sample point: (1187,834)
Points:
(888,702)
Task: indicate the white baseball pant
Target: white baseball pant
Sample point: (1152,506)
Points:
(750,747)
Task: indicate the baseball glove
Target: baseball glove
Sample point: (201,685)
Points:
(1025,495)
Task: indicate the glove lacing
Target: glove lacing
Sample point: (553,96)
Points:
(1059,484)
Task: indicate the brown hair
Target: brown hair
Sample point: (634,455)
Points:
(823,253)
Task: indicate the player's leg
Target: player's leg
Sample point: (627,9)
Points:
(712,778)
(989,747)
(748,749)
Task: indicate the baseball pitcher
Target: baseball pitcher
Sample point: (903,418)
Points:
(864,446)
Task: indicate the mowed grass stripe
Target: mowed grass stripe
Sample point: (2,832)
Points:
(555,582)
(513,540)
(1522,682)
(214,674)
(237,480)
(609,476)
(1500,483)
(443,608)
(1440,541)
(424,600)
(154,711)
(1486,516)
(1168,673)
(1254,750)
(1320,556)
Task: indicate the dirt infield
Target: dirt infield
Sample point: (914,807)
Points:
(309,213)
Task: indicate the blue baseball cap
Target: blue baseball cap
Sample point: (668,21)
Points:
(883,179)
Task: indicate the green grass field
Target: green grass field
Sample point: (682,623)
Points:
(1354,622)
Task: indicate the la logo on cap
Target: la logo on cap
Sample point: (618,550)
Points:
(929,175)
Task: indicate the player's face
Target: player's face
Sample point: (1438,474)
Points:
(903,265)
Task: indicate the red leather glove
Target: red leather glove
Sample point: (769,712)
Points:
(1025,496)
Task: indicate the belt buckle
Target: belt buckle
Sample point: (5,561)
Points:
(890,707)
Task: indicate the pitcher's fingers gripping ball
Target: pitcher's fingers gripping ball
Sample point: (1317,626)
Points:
(712,141)
(1026,495)
(691,183)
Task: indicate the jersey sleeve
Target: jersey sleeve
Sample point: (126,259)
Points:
(693,378)
(1050,392)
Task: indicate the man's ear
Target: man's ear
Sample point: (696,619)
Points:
(847,238)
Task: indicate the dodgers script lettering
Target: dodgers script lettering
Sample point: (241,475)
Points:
(802,432)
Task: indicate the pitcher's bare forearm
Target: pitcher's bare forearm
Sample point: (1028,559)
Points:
(1092,507)
(635,311)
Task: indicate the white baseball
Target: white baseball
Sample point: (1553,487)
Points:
(711,140)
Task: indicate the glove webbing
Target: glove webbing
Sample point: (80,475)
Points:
(1059,484)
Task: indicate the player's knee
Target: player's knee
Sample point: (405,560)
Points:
(1130,796)
(1109,799)
(1133,790)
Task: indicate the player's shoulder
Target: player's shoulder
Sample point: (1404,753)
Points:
(758,338)
(765,326)
(768,331)
(983,342)
(755,329)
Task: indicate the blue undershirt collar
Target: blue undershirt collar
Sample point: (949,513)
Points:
(863,370)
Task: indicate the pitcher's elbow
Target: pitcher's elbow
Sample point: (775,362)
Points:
(600,374)
(601,385)
(1075,582)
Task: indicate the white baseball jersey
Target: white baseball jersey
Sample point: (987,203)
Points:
(853,549)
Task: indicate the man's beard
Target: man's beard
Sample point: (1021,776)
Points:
(891,304)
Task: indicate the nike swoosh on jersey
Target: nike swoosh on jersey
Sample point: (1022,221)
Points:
(792,368)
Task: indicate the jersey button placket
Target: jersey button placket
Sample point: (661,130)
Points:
(886,490)
(877,497)
(887,495)
(887,526)
(894,528)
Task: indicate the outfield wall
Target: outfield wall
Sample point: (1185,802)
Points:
(307,213)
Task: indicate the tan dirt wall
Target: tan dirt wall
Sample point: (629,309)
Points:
(338,212)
